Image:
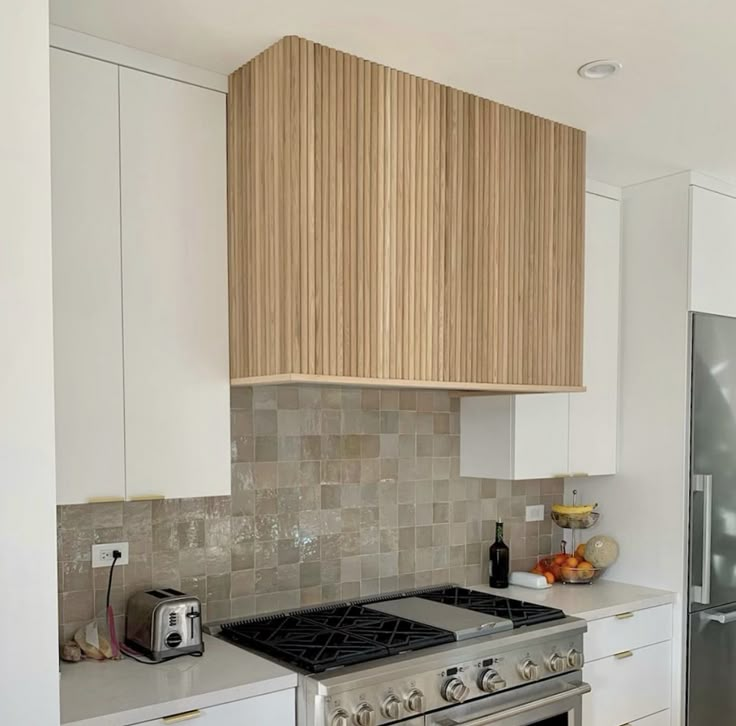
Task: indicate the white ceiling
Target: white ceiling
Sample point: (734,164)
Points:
(671,108)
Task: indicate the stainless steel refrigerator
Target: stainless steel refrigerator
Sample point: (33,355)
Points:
(711,693)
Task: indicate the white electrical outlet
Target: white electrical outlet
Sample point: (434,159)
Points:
(102,554)
(535,513)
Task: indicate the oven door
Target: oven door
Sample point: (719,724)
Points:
(558,702)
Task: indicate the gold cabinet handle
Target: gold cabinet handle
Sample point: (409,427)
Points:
(146,497)
(103,500)
(185,716)
(624,654)
(578,474)
(624,616)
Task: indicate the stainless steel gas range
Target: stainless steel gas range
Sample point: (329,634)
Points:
(444,656)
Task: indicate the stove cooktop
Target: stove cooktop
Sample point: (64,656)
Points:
(347,634)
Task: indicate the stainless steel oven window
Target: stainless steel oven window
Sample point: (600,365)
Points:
(557,702)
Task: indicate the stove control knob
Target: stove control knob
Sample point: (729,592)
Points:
(364,715)
(575,659)
(340,718)
(557,663)
(529,670)
(490,681)
(391,707)
(454,690)
(414,702)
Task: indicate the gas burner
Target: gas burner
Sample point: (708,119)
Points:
(518,611)
(327,638)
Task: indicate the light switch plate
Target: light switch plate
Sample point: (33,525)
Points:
(535,513)
(102,554)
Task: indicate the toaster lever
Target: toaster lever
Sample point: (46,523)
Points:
(192,615)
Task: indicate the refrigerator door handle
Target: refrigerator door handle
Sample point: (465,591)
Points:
(722,618)
(704,483)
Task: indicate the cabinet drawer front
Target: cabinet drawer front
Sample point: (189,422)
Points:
(656,719)
(627,631)
(276,708)
(625,689)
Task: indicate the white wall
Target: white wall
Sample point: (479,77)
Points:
(29,678)
(644,505)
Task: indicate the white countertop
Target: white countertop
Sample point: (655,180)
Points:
(118,693)
(602,599)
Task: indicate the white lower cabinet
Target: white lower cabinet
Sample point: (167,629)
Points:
(272,708)
(656,719)
(628,686)
(629,669)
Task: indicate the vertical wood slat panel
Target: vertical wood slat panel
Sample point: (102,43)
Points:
(386,226)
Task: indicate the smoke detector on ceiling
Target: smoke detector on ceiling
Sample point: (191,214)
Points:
(598,69)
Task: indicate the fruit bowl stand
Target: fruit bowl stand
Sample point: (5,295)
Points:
(576,575)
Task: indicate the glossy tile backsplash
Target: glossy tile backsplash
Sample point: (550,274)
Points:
(336,493)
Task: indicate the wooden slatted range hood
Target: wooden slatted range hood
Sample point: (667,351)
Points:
(388,230)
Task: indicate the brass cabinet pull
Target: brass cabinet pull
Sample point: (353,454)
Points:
(624,616)
(185,716)
(624,654)
(103,500)
(146,497)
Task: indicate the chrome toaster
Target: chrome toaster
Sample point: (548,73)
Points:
(163,623)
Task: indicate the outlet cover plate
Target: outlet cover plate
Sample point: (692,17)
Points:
(102,554)
(535,513)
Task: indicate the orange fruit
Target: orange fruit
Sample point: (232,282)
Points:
(537,570)
(560,559)
(550,577)
(585,566)
(555,570)
(580,551)
(572,562)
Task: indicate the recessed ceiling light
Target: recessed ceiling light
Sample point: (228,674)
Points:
(595,70)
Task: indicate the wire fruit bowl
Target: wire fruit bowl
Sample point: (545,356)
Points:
(575,521)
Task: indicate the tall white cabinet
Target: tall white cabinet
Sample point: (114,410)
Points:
(558,435)
(88,342)
(175,308)
(140,283)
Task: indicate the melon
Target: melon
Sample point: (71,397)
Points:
(601,551)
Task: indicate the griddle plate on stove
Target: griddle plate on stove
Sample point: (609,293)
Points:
(518,611)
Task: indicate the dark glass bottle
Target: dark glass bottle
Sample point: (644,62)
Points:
(498,560)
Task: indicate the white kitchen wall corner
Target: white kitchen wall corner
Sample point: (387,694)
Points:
(556,435)
(140,274)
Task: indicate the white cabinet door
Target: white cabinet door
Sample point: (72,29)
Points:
(594,414)
(88,343)
(541,436)
(625,689)
(712,252)
(175,307)
(272,708)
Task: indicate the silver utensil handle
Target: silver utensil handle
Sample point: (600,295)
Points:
(704,483)
(722,618)
(580,690)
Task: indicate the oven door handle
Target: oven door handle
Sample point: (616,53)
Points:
(580,690)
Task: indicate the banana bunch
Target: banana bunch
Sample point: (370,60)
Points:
(575,511)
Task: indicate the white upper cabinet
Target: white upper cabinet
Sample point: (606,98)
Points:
(555,435)
(594,414)
(175,307)
(712,252)
(88,339)
(140,284)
